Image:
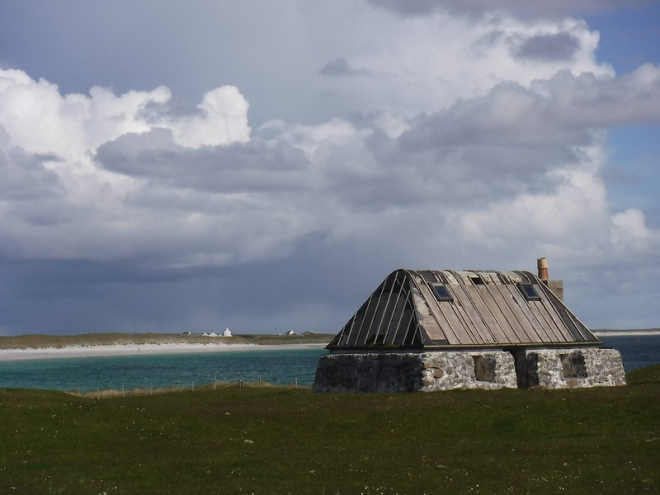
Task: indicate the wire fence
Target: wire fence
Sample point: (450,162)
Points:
(184,386)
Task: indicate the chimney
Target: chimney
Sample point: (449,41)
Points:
(542,265)
(555,286)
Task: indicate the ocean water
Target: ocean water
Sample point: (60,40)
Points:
(637,351)
(283,367)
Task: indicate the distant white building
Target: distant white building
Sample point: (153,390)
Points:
(226,333)
(291,332)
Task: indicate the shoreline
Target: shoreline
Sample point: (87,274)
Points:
(140,350)
(626,333)
(112,350)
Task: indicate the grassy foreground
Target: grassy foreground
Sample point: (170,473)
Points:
(282,440)
(92,339)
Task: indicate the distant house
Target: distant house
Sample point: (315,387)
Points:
(226,333)
(432,330)
(291,332)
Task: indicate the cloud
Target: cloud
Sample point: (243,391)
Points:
(408,8)
(24,175)
(238,167)
(340,67)
(222,120)
(563,110)
(426,64)
(57,203)
(630,230)
(591,101)
(472,143)
(194,189)
(548,47)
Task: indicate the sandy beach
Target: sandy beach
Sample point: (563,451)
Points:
(183,348)
(134,350)
(626,333)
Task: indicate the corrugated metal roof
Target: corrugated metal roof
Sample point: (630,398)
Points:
(442,308)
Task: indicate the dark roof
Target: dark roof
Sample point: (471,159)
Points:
(445,308)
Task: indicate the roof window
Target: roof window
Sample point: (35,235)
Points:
(441,292)
(529,291)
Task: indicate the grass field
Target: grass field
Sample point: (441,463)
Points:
(93,339)
(281,440)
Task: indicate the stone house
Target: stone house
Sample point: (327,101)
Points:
(427,330)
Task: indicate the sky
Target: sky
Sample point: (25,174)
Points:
(263,165)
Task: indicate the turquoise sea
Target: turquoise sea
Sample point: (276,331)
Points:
(283,367)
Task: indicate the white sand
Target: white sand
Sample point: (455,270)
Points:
(136,350)
(626,333)
(146,349)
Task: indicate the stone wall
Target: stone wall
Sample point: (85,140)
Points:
(463,369)
(388,372)
(432,371)
(573,368)
(410,372)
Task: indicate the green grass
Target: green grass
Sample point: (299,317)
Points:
(90,339)
(284,440)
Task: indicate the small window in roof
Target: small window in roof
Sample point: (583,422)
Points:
(529,291)
(441,292)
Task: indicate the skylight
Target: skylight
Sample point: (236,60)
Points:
(529,291)
(441,292)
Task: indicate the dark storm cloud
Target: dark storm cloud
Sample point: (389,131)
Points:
(24,176)
(255,165)
(589,101)
(313,289)
(560,111)
(340,67)
(548,47)
(508,116)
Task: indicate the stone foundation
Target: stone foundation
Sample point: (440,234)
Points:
(446,370)
(573,368)
(413,372)
(450,370)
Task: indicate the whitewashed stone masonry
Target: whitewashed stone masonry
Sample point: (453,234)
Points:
(486,369)
(411,372)
(574,368)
